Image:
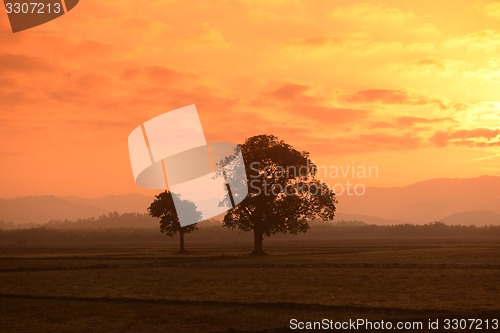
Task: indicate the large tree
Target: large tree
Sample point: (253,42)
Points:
(283,191)
(163,208)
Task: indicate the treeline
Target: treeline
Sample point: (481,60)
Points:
(216,233)
(111,220)
(344,229)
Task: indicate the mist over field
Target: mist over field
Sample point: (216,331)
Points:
(474,201)
(402,254)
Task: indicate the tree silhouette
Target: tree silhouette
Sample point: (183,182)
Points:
(163,208)
(283,193)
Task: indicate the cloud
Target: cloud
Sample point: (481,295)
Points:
(485,73)
(367,13)
(97,124)
(359,43)
(479,137)
(274,11)
(472,143)
(15,98)
(289,91)
(26,79)
(412,121)
(492,10)
(299,100)
(208,37)
(155,74)
(235,124)
(364,143)
(381,125)
(488,72)
(269,3)
(388,96)
(84,88)
(20,63)
(483,40)
(320,40)
(328,114)
(382,140)
(427,29)
(409,122)
(92,48)
(430,67)
(172,97)
(430,62)
(265,67)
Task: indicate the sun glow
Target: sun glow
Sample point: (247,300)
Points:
(377,84)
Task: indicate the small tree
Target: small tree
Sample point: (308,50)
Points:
(163,208)
(283,193)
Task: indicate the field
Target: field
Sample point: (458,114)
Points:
(215,288)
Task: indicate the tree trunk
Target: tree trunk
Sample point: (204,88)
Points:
(181,242)
(258,239)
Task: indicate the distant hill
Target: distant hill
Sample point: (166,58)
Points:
(42,209)
(127,203)
(426,201)
(419,203)
(479,218)
(339,216)
(109,221)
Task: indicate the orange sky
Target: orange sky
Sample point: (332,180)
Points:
(409,86)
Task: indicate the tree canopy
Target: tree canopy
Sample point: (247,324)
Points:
(163,207)
(283,192)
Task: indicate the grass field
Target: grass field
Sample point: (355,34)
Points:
(149,288)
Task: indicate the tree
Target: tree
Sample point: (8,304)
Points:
(283,193)
(163,208)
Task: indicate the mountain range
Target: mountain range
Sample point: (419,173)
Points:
(452,201)
(447,200)
(42,209)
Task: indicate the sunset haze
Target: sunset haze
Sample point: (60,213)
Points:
(409,87)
